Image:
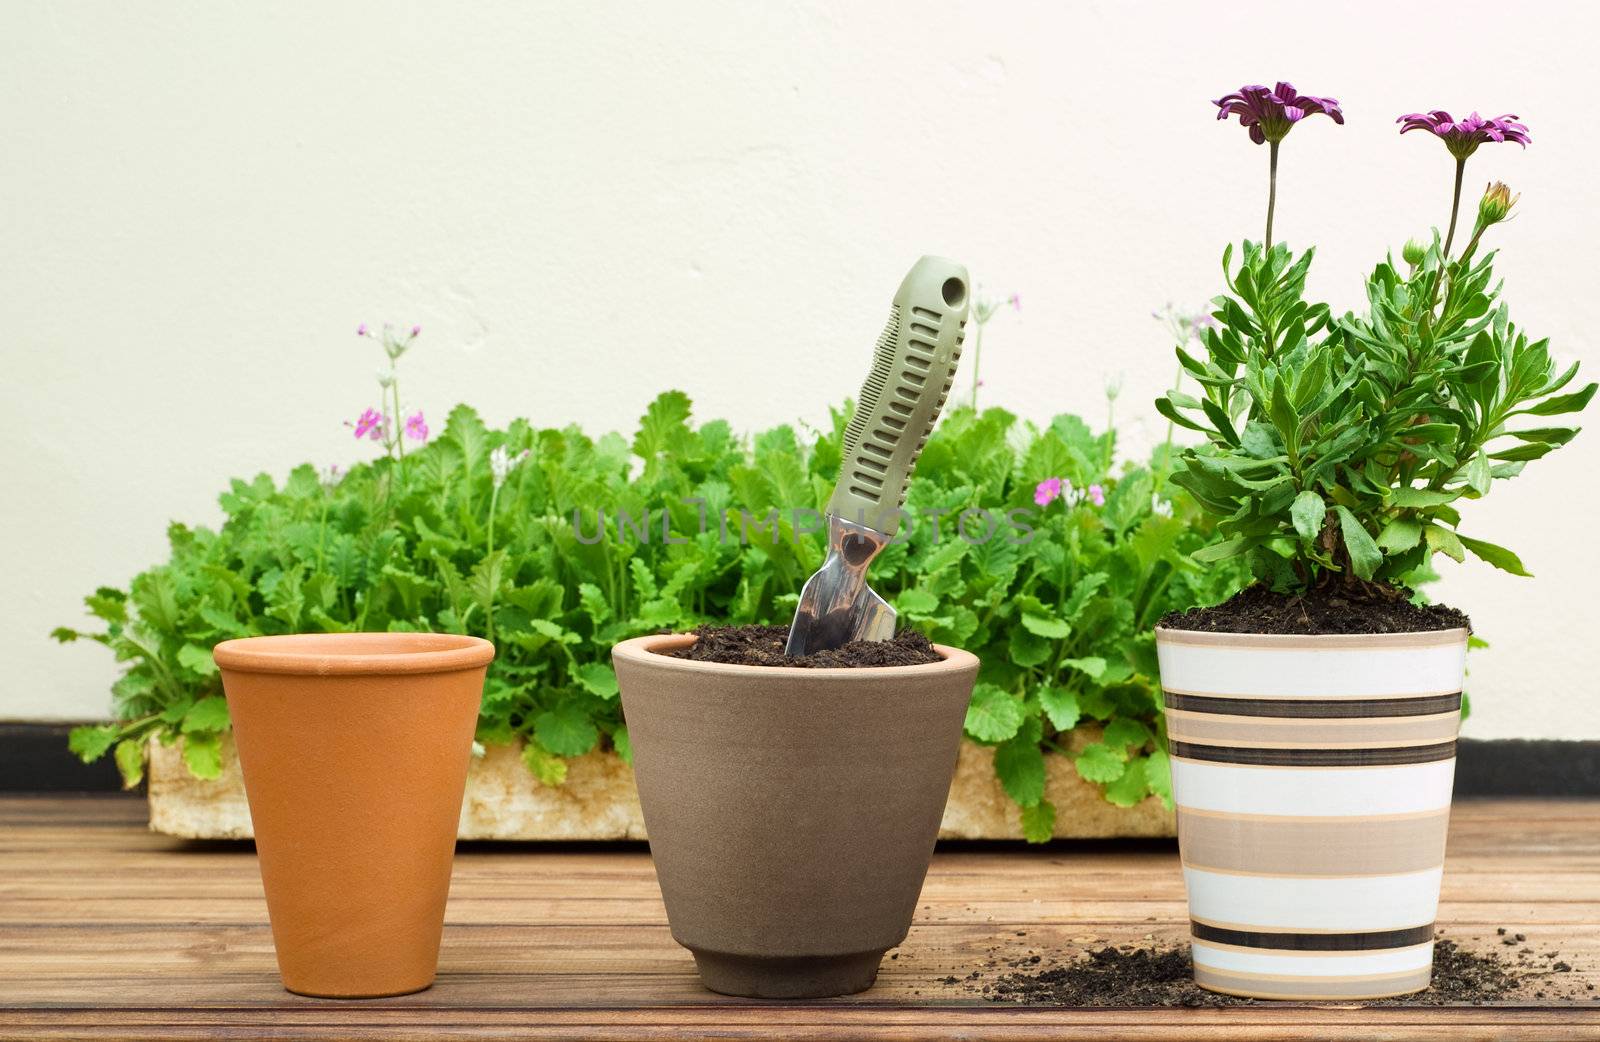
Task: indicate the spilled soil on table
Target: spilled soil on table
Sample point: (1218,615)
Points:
(763,646)
(1506,967)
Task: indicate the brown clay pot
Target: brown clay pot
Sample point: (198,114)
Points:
(791,812)
(354,748)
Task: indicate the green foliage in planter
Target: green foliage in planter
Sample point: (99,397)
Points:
(495,533)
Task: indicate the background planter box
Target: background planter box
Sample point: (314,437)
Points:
(598,800)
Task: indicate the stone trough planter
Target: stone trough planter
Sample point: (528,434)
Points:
(598,800)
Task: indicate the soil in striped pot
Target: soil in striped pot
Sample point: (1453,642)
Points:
(1335,607)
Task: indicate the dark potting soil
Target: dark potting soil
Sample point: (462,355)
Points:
(763,646)
(1160,975)
(1334,608)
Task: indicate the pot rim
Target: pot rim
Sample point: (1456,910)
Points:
(1404,639)
(645,651)
(353,654)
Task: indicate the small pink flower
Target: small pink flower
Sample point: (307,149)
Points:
(1046,491)
(370,424)
(361,330)
(416,427)
(1015,300)
(415,330)
(1097,495)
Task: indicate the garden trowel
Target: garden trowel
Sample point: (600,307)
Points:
(912,369)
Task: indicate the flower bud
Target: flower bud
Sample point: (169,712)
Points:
(1414,252)
(1496,204)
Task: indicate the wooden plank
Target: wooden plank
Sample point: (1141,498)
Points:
(108,931)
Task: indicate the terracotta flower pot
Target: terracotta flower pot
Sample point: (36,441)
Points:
(354,748)
(791,812)
(1312,777)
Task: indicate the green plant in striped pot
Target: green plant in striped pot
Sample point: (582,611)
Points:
(1311,719)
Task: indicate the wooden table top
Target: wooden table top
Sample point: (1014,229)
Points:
(110,931)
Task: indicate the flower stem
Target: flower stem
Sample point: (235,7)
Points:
(488,611)
(1455,207)
(1272,188)
(399,421)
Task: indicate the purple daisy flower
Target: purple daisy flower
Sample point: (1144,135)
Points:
(1271,114)
(1463,136)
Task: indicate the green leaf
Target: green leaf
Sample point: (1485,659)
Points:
(92,742)
(550,770)
(622,744)
(1043,624)
(994,714)
(208,714)
(1158,775)
(1478,473)
(1097,763)
(1124,732)
(1132,786)
(1498,556)
(197,660)
(664,427)
(1092,666)
(1365,557)
(1308,512)
(130,762)
(1563,403)
(566,731)
(1039,822)
(597,678)
(1446,542)
(202,753)
(1060,705)
(916,601)
(1399,535)
(1422,497)
(1019,763)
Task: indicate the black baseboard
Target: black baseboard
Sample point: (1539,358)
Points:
(34,758)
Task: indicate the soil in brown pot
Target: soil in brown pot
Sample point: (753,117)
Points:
(1334,607)
(763,646)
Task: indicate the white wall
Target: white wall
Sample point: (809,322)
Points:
(587,203)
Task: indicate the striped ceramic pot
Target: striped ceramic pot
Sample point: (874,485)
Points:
(1312,779)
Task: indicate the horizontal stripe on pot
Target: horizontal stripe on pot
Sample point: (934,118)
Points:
(1318,964)
(1207,728)
(1314,941)
(1266,756)
(1296,669)
(1309,791)
(1364,846)
(1315,708)
(1296,986)
(1347,904)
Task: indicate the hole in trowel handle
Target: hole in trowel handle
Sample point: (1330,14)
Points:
(955,291)
(857,550)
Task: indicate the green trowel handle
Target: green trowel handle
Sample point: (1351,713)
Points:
(912,369)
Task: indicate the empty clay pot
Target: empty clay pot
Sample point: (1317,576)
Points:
(792,812)
(354,748)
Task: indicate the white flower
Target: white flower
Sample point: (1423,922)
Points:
(1159,505)
(501,463)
